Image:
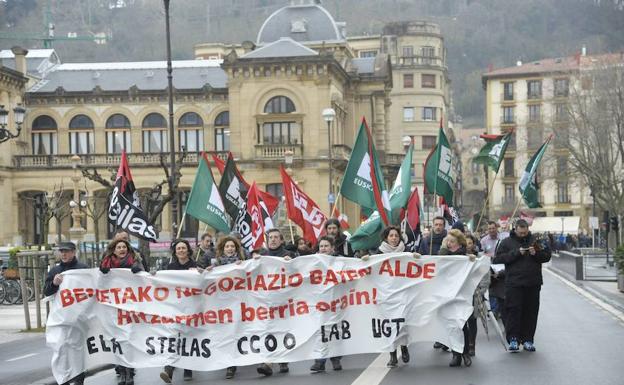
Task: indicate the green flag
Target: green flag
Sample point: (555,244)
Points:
(528,182)
(204,202)
(439,173)
(493,151)
(363,180)
(367,235)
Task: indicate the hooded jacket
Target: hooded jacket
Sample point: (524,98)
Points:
(521,270)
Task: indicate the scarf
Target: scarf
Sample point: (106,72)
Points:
(386,248)
(112,263)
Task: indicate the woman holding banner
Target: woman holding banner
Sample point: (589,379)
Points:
(180,260)
(120,255)
(455,244)
(229,250)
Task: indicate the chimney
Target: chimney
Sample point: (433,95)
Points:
(584,50)
(20,59)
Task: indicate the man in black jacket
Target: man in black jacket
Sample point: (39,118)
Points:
(68,262)
(54,279)
(523,256)
(427,247)
(342,247)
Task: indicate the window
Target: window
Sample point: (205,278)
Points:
(428,81)
(562,139)
(154,133)
(562,192)
(428,142)
(427,51)
(535,113)
(368,53)
(222,131)
(562,166)
(191,132)
(408,54)
(275,189)
(429,113)
(408,114)
(534,138)
(561,112)
(508,115)
(190,226)
(280,133)
(279,105)
(81,135)
(510,193)
(512,142)
(534,89)
(508,91)
(561,87)
(509,168)
(408,80)
(44,140)
(118,134)
(563,213)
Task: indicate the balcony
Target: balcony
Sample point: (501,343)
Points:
(421,61)
(509,201)
(563,199)
(104,160)
(277,151)
(507,119)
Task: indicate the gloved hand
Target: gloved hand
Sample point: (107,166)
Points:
(135,269)
(104,270)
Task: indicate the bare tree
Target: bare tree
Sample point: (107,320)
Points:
(47,206)
(594,136)
(153,200)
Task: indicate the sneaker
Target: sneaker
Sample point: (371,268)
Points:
(513,346)
(528,346)
(319,366)
(230,372)
(336,365)
(188,375)
(265,369)
(284,367)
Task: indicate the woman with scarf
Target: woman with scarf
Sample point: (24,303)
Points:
(229,250)
(120,255)
(180,260)
(391,242)
(455,244)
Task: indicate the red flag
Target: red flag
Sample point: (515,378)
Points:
(302,210)
(413,209)
(343,218)
(218,162)
(255,212)
(410,225)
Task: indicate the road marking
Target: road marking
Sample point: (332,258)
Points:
(375,372)
(597,301)
(22,357)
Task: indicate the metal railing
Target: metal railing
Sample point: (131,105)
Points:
(421,60)
(277,151)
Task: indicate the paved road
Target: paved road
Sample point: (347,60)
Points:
(577,343)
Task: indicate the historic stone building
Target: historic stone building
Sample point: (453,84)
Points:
(260,100)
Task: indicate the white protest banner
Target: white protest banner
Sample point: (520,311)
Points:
(264,310)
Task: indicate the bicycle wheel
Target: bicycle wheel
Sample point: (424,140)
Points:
(13,292)
(2,291)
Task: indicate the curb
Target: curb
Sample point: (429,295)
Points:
(588,288)
(88,373)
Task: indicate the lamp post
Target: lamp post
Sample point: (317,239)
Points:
(329,115)
(76,204)
(18,114)
(406,141)
(172,173)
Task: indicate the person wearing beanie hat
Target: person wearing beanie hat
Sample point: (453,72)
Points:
(459,225)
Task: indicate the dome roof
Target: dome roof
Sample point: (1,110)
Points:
(302,23)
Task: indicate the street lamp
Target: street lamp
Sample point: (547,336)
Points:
(76,232)
(172,173)
(329,115)
(406,141)
(288,160)
(18,114)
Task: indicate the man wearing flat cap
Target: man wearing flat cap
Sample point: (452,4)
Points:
(68,262)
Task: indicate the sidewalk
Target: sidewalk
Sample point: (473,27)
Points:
(605,290)
(13,322)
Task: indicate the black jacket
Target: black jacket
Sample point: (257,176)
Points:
(425,244)
(49,287)
(176,265)
(281,251)
(521,270)
(204,257)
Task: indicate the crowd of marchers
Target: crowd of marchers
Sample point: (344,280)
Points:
(512,286)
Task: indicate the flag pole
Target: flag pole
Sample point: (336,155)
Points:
(180,225)
(517,206)
(487,199)
(292,238)
(435,201)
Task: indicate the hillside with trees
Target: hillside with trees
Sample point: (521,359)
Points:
(478,33)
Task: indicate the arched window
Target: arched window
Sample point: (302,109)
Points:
(118,134)
(154,133)
(222,131)
(81,135)
(44,140)
(279,105)
(191,132)
(281,131)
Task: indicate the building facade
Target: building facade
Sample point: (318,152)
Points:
(260,100)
